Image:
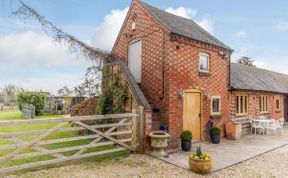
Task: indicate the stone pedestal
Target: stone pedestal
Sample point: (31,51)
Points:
(158,143)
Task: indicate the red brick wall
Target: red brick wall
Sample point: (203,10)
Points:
(153,38)
(183,73)
(254,105)
(179,68)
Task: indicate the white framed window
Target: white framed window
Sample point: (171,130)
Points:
(204,62)
(215,105)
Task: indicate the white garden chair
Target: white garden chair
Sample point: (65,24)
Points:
(256,125)
(280,124)
(251,121)
(272,126)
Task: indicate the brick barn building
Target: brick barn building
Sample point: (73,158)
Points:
(186,74)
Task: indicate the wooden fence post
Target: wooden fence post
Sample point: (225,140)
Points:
(135,143)
(141,130)
(32,111)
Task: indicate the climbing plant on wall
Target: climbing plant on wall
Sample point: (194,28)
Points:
(114,93)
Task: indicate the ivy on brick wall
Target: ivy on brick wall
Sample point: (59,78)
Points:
(114,93)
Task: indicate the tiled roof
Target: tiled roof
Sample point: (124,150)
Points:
(252,78)
(182,26)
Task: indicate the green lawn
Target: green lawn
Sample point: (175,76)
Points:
(16,115)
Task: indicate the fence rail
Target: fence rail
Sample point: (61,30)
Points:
(117,133)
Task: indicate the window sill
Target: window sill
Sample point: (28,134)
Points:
(264,113)
(204,74)
(241,115)
(215,116)
(278,111)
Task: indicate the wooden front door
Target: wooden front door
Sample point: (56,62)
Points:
(192,114)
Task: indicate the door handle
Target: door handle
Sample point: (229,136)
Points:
(199,115)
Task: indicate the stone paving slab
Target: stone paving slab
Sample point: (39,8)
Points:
(231,152)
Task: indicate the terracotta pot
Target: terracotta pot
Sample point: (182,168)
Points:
(159,141)
(200,166)
(233,130)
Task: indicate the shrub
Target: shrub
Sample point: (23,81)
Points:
(36,99)
(186,135)
(215,130)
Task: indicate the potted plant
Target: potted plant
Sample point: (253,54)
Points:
(199,162)
(159,141)
(186,138)
(215,134)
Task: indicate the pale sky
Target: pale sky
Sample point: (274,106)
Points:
(30,59)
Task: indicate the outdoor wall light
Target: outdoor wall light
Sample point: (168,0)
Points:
(221,53)
(207,96)
(181,94)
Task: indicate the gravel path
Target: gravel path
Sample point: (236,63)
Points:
(272,164)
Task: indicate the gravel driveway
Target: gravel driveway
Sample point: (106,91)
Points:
(272,164)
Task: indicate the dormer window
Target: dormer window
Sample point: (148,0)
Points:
(204,62)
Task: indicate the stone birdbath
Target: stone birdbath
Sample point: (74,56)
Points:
(158,143)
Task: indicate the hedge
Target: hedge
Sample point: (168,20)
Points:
(34,98)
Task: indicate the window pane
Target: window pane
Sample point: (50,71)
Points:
(241,104)
(204,63)
(260,104)
(266,109)
(277,104)
(245,109)
(237,104)
(216,105)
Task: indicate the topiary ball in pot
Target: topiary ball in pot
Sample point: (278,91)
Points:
(186,138)
(215,134)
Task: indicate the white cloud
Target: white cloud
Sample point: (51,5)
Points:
(241,34)
(282,25)
(107,32)
(33,61)
(34,48)
(207,24)
(189,13)
(183,12)
(265,63)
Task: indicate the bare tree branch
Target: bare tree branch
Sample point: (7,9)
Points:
(60,36)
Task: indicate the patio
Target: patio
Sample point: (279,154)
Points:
(231,152)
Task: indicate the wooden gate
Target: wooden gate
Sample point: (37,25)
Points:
(113,133)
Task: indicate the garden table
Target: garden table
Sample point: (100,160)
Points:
(264,123)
